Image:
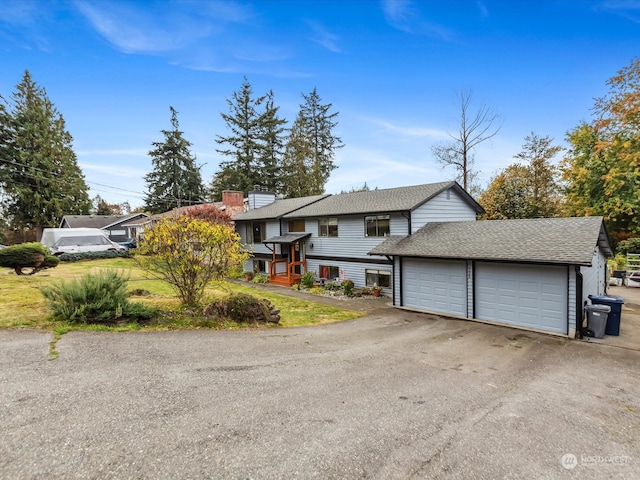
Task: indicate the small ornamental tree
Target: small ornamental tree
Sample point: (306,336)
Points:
(190,253)
(27,258)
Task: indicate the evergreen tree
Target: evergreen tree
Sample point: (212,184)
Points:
(39,171)
(298,178)
(272,146)
(311,148)
(101,207)
(242,144)
(175,180)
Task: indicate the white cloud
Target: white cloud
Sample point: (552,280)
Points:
(629,9)
(403,15)
(137,152)
(136,28)
(484,11)
(324,38)
(113,169)
(410,131)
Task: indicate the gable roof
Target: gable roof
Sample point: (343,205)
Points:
(399,199)
(278,208)
(98,221)
(541,240)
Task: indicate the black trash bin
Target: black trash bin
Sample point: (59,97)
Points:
(613,321)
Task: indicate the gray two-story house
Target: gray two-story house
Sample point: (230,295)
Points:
(331,235)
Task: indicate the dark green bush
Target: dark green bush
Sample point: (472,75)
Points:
(27,258)
(631,245)
(307,280)
(74,257)
(347,287)
(95,298)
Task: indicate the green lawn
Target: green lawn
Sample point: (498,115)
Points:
(23,306)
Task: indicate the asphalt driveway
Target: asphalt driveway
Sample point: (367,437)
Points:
(392,395)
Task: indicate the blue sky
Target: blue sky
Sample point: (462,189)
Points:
(392,69)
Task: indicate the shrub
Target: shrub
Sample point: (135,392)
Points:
(307,280)
(27,258)
(332,286)
(75,257)
(260,278)
(243,308)
(631,245)
(317,290)
(347,287)
(94,298)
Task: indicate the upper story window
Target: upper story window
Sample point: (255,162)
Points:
(296,225)
(377,226)
(328,227)
(256,232)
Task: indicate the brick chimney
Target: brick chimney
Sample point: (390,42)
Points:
(232,198)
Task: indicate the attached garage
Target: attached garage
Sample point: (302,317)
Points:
(529,296)
(527,273)
(436,286)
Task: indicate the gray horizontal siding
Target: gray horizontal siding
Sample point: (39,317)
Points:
(442,209)
(354,271)
(351,240)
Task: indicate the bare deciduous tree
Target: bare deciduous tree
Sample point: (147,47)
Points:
(474,129)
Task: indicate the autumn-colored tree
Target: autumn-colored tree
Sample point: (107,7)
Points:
(209,213)
(528,189)
(507,195)
(190,253)
(602,167)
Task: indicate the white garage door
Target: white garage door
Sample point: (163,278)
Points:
(435,286)
(531,296)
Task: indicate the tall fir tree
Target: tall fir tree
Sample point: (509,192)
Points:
(175,180)
(242,145)
(39,171)
(272,131)
(311,148)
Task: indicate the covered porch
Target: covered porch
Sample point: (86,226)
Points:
(288,262)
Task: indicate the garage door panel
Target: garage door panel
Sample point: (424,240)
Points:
(434,285)
(532,296)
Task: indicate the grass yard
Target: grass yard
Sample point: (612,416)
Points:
(23,306)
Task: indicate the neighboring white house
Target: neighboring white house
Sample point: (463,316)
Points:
(114,226)
(534,274)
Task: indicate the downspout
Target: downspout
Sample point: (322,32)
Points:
(579,306)
(393,279)
(408,217)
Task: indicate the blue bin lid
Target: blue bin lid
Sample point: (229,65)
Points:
(606,298)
